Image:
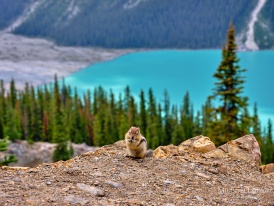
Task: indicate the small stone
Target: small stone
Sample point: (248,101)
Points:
(202,175)
(74,171)
(223,169)
(16,179)
(75,200)
(208,183)
(2,181)
(48,183)
(213,171)
(114,184)
(5,195)
(168,182)
(199,198)
(91,190)
(96,183)
(97,174)
(182,171)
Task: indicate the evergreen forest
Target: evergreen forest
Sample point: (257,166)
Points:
(57,113)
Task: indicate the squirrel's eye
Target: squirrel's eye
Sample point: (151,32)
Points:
(137,133)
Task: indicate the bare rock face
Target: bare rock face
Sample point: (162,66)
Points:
(245,148)
(30,155)
(165,151)
(203,145)
(199,144)
(267,169)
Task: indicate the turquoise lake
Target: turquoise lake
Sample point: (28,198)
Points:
(179,71)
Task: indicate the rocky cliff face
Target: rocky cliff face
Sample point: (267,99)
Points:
(174,175)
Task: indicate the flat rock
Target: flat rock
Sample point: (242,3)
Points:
(75,200)
(114,184)
(91,190)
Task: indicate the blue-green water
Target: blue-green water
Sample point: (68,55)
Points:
(181,71)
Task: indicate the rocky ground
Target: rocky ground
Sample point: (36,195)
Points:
(37,60)
(172,176)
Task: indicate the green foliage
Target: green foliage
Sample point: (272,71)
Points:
(231,117)
(63,151)
(3,147)
(268,145)
(54,113)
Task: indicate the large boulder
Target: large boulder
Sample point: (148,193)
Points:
(203,145)
(199,144)
(245,148)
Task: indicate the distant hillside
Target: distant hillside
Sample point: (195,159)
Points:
(10,10)
(189,24)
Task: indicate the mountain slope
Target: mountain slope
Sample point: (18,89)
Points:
(10,10)
(189,24)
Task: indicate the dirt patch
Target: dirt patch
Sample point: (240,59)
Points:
(107,177)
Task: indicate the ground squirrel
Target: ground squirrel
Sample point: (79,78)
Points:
(136,143)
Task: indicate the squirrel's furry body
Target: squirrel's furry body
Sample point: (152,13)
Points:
(136,143)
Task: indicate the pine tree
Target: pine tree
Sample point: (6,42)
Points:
(178,132)
(152,130)
(1,129)
(132,112)
(76,128)
(13,93)
(197,127)
(89,120)
(143,114)
(64,149)
(228,89)
(12,127)
(113,118)
(187,117)
(256,126)
(122,119)
(268,150)
(2,103)
(6,159)
(168,127)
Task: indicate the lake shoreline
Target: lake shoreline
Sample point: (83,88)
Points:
(37,60)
